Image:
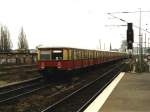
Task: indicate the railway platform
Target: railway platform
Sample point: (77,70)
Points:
(129,92)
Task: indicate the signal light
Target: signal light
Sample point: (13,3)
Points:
(130,34)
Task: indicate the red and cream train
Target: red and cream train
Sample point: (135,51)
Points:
(52,60)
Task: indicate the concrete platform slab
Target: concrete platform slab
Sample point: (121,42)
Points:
(132,94)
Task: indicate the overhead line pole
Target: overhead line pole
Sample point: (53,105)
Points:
(140,35)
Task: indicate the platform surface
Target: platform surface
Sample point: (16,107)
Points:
(132,94)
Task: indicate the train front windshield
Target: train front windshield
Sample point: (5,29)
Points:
(57,54)
(45,55)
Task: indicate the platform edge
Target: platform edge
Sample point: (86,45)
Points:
(96,105)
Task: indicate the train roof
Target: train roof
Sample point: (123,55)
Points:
(48,48)
(56,48)
(64,48)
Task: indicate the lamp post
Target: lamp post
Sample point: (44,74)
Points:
(140,43)
(145,50)
(148,42)
(148,50)
(99,44)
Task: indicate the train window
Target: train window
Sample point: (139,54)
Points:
(106,55)
(80,52)
(57,54)
(91,54)
(74,54)
(101,55)
(97,54)
(45,55)
(83,54)
(94,54)
(88,55)
(77,54)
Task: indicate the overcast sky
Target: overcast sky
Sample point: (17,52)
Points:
(73,23)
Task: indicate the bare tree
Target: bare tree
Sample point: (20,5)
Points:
(22,41)
(5,41)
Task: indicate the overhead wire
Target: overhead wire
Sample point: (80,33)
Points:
(127,21)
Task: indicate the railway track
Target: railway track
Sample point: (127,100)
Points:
(15,91)
(49,95)
(19,84)
(7,70)
(9,67)
(78,100)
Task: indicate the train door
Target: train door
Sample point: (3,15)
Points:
(65,54)
(57,54)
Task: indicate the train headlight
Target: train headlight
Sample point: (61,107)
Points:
(59,65)
(42,65)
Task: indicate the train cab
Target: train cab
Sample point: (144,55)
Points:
(50,54)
